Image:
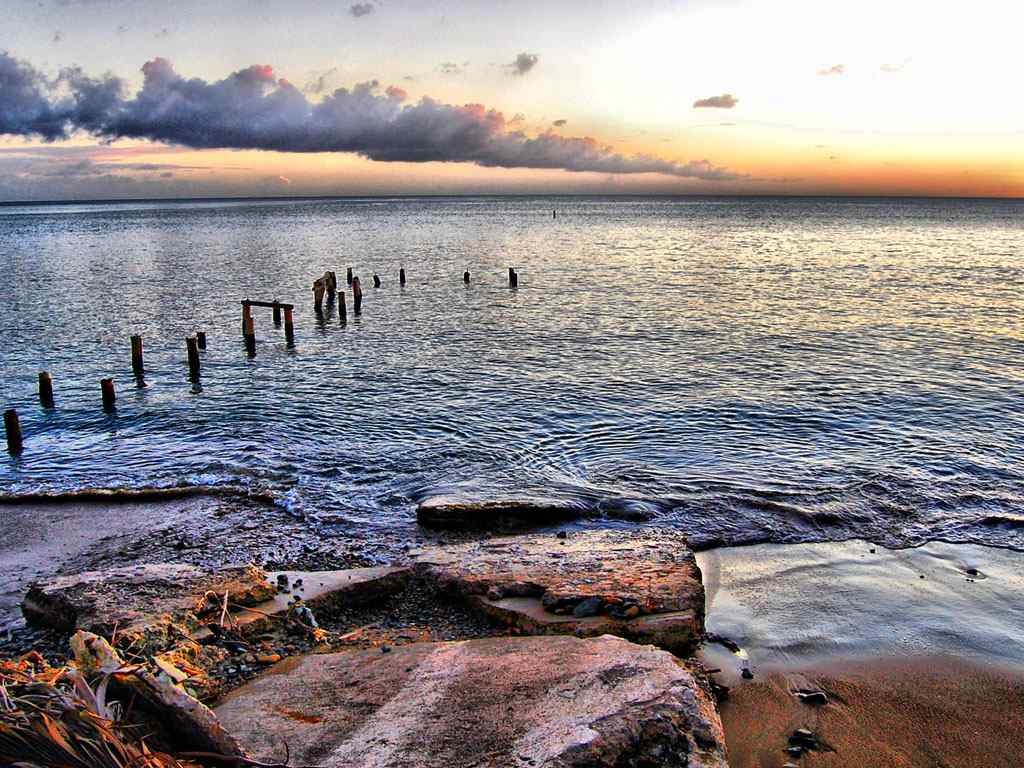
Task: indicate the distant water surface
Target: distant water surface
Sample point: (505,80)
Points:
(747,369)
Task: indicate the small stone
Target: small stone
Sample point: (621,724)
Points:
(589,607)
(268,658)
(972,571)
(494,593)
(872,550)
(561,534)
(385,649)
(632,612)
(812,697)
(746,674)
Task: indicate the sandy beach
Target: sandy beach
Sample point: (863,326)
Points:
(918,652)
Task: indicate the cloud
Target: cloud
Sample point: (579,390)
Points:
(560,123)
(892,68)
(523,63)
(361,9)
(725,101)
(450,68)
(834,70)
(319,85)
(254,109)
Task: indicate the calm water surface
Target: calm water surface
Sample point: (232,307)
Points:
(749,370)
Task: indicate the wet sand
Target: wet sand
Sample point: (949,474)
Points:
(918,671)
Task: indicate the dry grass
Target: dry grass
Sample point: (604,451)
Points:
(53,717)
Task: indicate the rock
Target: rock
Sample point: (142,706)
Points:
(532,701)
(640,584)
(134,597)
(813,697)
(449,512)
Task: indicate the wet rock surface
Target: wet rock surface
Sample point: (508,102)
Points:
(540,701)
(452,512)
(640,584)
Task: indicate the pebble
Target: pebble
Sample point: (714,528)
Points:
(589,607)
(746,674)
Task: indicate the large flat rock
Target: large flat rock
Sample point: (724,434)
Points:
(640,584)
(135,597)
(529,701)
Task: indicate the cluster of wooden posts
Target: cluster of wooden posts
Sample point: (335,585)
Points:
(326,286)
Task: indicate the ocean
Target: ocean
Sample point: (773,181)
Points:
(743,369)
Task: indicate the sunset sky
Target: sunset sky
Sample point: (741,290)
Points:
(752,97)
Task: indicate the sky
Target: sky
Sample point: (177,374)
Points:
(104,99)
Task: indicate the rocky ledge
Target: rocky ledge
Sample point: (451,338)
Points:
(537,701)
(644,585)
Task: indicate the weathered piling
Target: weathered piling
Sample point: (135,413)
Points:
(201,339)
(401,276)
(289,326)
(348,275)
(332,284)
(12,427)
(192,347)
(277,314)
(250,335)
(45,390)
(513,278)
(342,312)
(107,391)
(318,294)
(246,316)
(357,296)
(376,280)
(137,354)
(465,277)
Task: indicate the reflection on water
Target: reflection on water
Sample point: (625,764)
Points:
(750,369)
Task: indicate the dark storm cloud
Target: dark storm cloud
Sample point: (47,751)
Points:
(523,63)
(361,9)
(725,101)
(253,109)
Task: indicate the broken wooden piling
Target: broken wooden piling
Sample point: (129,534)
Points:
(465,277)
(376,280)
(289,326)
(250,335)
(357,296)
(45,390)
(12,427)
(348,275)
(513,278)
(137,355)
(277,314)
(192,348)
(332,284)
(318,294)
(107,391)
(401,276)
(201,339)
(342,312)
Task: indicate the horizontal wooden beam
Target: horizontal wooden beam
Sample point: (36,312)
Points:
(271,304)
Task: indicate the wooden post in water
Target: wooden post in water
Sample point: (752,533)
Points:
(289,327)
(192,347)
(13,429)
(348,275)
(465,277)
(45,389)
(250,335)
(137,355)
(246,316)
(376,280)
(318,294)
(342,312)
(201,339)
(107,389)
(357,296)
(277,314)
(401,276)
(513,278)
(332,284)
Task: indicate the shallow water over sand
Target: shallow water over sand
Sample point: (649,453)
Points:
(751,370)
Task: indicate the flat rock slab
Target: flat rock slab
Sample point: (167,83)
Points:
(453,512)
(529,701)
(318,590)
(134,597)
(642,584)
